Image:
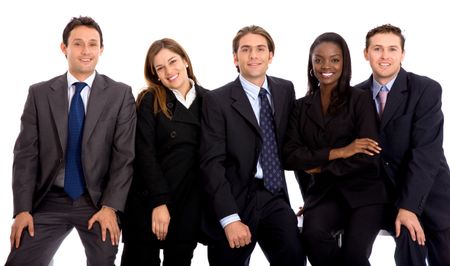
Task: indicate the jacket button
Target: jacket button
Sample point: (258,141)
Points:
(386,163)
(169,105)
(173,134)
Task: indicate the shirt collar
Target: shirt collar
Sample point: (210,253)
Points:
(251,89)
(191,92)
(376,87)
(71,80)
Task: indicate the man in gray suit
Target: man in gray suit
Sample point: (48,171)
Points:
(73,172)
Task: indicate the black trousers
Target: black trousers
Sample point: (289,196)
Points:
(273,225)
(53,220)
(361,226)
(408,253)
(147,254)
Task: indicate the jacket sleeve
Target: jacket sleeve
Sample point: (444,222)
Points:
(425,152)
(26,157)
(213,159)
(122,156)
(148,167)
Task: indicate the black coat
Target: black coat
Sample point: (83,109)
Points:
(230,147)
(310,137)
(166,170)
(411,133)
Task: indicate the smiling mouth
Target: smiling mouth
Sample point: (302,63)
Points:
(172,78)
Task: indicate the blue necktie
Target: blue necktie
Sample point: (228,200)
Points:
(269,159)
(74,178)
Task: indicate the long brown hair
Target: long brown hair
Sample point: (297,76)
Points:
(154,85)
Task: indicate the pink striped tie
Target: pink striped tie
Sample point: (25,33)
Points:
(382,96)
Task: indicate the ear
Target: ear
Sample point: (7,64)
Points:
(235,59)
(366,55)
(270,57)
(63,48)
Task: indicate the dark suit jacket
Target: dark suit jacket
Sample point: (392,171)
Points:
(311,136)
(166,170)
(107,147)
(231,144)
(411,135)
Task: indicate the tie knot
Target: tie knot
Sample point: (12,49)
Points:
(79,86)
(262,92)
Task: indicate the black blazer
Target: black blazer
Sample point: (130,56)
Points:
(166,170)
(231,144)
(311,136)
(411,135)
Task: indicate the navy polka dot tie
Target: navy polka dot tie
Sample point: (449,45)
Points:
(269,159)
(74,178)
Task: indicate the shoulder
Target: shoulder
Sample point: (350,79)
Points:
(423,82)
(280,82)
(108,82)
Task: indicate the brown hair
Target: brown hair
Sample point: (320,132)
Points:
(386,28)
(154,85)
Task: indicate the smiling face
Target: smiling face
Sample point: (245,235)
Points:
(385,55)
(82,51)
(253,58)
(327,62)
(171,69)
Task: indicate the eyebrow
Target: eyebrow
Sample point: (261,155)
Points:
(250,46)
(167,60)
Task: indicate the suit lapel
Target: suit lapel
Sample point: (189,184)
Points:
(96,104)
(395,98)
(180,112)
(278,101)
(314,110)
(58,102)
(242,105)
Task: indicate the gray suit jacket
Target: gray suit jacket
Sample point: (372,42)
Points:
(107,148)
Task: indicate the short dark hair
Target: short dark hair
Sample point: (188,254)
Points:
(386,28)
(81,21)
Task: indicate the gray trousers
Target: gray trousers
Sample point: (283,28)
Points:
(54,219)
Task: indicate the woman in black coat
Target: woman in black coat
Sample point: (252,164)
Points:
(331,145)
(163,206)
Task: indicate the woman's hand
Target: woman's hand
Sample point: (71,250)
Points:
(160,221)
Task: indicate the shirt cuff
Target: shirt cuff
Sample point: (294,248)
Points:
(229,219)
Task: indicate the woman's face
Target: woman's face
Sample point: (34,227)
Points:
(327,62)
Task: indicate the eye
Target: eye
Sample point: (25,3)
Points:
(173,61)
(158,69)
(393,49)
(335,60)
(244,49)
(316,60)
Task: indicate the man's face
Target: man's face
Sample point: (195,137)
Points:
(82,51)
(385,56)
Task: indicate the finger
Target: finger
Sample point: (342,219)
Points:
(18,236)
(91,222)
(154,227)
(103,229)
(412,232)
(31,229)
(397,229)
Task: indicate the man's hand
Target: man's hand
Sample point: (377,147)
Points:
(238,234)
(22,221)
(160,221)
(107,219)
(411,222)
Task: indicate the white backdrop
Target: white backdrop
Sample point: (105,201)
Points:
(31,34)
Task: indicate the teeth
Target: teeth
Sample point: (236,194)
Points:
(172,78)
(327,74)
